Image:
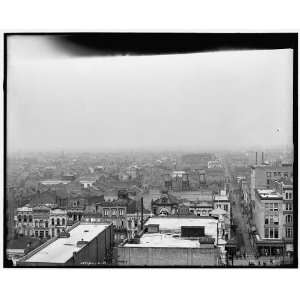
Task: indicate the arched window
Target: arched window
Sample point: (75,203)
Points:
(19,218)
(30,219)
(58,222)
(25,218)
(63,222)
(52,221)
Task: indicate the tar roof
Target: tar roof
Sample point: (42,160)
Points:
(175,223)
(61,250)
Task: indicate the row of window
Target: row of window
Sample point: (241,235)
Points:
(30,220)
(272,220)
(113,211)
(288,206)
(271,233)
(277,174)
(43,234)
(271,206)
(25,219)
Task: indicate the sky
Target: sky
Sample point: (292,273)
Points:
(200,101)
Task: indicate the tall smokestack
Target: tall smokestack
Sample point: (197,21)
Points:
(256,158)
(142,213)
(262,157)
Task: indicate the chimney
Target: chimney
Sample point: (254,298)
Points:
(262,157)
(256,158)
(142,213)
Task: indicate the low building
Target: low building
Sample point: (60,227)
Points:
(166,205)
(87,182)
(84,244)
(18,248)
(173,241)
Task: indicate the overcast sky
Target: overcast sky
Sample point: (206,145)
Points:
(229,99)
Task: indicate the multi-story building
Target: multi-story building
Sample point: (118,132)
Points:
(173,241)
(86,243)
(285,188)
(269,222)
(263,175)
(40,221)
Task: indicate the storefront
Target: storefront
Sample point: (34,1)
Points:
(270,247)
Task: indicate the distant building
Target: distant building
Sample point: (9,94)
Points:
(87,182)
(166,205)
(85,244)
(173,241)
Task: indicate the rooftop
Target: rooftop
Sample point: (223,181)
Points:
(165,240)
(175,223)
(61,249)
(267,194)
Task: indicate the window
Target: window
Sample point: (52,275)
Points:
(289,219)
(25,218)
(105,211)
(290,196)
(75,203)
(46,224)
(63,222)
(30,219)
(268,174)
(41,234)
(288,206)
(47,233)
(275,220)
(266,233)
(275,173)
(279,173)
(113,212)
(271,233)
(19,218)
(266,220)
(268,181)
(289,232)
(121,212)
(271,206)
(57,222)
(226,207)
(52,221)
(36,223)
(36,233)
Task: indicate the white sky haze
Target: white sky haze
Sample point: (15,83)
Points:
(228,99)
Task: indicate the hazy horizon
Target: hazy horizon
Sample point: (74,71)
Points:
(217,100)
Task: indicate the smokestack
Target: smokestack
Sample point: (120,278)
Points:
(256,158)
(262,157)
(142,213)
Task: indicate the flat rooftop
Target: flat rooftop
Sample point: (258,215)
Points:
(165,240)
(268,194)
(173,225)
(61,250)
